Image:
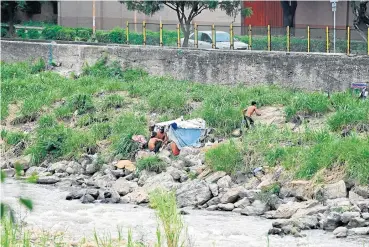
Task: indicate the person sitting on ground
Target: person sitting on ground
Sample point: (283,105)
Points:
(155,143)
(248,112)
(162,135)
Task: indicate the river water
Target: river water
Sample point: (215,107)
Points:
(53,212)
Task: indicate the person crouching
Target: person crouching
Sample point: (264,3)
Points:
(154,143)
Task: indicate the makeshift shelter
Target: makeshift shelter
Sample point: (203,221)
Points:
(185,133)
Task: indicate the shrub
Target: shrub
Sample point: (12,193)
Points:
(117,35)
(103,69)
(38,66)
(151,163)
(51,32)
(13,138)
(101,131)
(225,157)
(4,31)
(68,34)
(84,34)
(33,34)
(102,36)
(112,101)
(21,33)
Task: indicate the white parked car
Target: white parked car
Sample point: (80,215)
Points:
(222,40)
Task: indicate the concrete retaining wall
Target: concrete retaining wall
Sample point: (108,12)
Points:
(303,71)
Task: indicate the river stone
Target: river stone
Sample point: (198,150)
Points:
(214,177)
(10,172)
(77,194)
(162,180)
(358,231)
(256,208)
(213,201)
(362,191)
(74,168)
(35,170)
(336,190)
(363,205)
(24,161)
(60,174)
(114,196)
(91,168)
(58,167)
(126,165)
(269,214)
(347,216)
(365,216)
(145,175)
(232,195)
(226,207)
(117,173)
(48,180)
(225,182)
(339,202)
(64,184)
(298,188)
(340,232)
(214,189)
(356,222)
(212,208)
(138,196)
(123,187)
(178,175)
(251,194)
(285,211)
(192,193)
(244,202)
(310,211)
(354,197)
(104,181)
(87,198)
(93,192)
(331,222)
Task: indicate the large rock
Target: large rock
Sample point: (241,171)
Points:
(74,168)
(336,190)
(363,205)
(178,175)
(138,196)
(144,176)
(92,168)
(163,180)
(362,191)
(299,189)
(225,182)
(48,180)
(126,165)
(356,222)
(232,195)
(58,167)
(117,173)
(339,202)
(331,222)
(214,189)
(358,231)
(214,177)
(24,161)
(340,232)
(365,216)
(87,198)
(226,207)
(123,187)
(244,202)
(256,208)
(35,170)
(213,201)
(195,192)
(310,211)
(303,223)
(251,194)
(77,194)
(105,181)
(9,172)
(285,211)
(353,196)
(347,216)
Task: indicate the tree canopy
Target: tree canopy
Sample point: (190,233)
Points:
(187,10)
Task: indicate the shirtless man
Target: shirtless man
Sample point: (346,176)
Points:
(155,143)
(248,112)
(162,135)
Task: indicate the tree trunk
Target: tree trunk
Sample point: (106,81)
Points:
(289,13)
(11,9)
(186,29)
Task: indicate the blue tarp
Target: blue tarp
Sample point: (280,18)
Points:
(185,137)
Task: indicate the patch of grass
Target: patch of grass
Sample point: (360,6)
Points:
(151,163)
(112,102)
(166,100)
(102,68)
(352,115)
(165,206)
(46,121)
(225,157)
(81,103)
(101,131)
(13,137)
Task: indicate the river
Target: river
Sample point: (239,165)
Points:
(205,228)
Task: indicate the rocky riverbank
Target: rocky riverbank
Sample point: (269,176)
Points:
(341,207)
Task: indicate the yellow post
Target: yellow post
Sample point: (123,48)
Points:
(348,40)
(327,39)
(127,32)
(178,36)
(308,38)
(161,33)
(196,37)
(231,38)
(144,32)
(250,37)
(288,39)
(213,37)
(269,39)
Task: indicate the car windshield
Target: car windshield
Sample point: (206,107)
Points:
(224,37)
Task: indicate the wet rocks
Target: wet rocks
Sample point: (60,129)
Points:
(331,221)
(232,195)
(256,208)
(214,177)
(91,168)
(356,222)
(35,170)
(298,188)
(340,232)
(244,202)
(347,216)
(161,180)
(124,187)
(58,167)
(74,168)
(225,182)
(336,190)
(138,196)
(285,211)
(226,207)
(48,180)
(77,194)
(87,198)
(194,192)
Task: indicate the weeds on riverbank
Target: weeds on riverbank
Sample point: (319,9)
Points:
(76,114)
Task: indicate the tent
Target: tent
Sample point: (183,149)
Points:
(185,133)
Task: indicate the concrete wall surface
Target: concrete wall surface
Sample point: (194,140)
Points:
(295,70)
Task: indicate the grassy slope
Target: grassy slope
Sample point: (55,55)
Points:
(101,110)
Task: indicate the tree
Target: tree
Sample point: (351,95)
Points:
(289,10)
(361,17)
(9,8)
(186,10)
